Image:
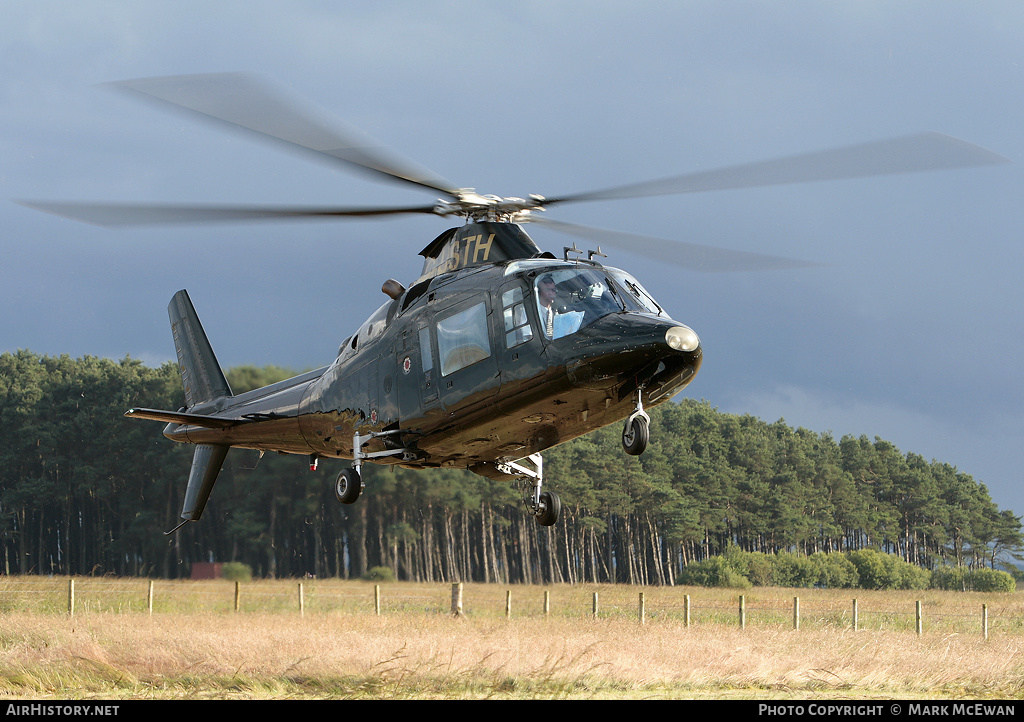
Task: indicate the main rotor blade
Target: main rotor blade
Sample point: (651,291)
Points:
(115,215)
(248,102)
(922,152)
(692,256)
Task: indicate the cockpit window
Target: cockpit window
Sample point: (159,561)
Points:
(570,298)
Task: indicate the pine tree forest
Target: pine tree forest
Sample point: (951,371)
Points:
(85,491)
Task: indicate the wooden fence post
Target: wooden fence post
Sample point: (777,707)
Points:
(547,603)
(642,610)
(508,604)
(71,597)
(855,614)
(457,599)
(376,599)
(743,612)
(594,609)
(149,597)
(302,602)
(238,596)
(796,612)
(686,610)
(920,620)
(984,620)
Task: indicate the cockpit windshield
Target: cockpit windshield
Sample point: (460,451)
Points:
(570,298)
(636,297)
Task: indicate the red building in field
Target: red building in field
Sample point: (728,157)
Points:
(207,570)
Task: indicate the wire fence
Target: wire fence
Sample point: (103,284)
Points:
(983,614)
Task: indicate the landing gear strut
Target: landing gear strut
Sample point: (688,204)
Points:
(637,431)
(350,481)
(544,505)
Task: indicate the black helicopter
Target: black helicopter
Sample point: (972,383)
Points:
(498,351)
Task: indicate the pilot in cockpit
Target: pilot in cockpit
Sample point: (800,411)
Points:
(553,323)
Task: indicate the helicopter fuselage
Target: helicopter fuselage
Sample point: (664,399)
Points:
(462,370)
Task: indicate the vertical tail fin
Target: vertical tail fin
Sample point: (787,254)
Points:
(206,466)
(203,380)
(201,375)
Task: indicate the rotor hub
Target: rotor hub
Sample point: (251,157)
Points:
(472,206)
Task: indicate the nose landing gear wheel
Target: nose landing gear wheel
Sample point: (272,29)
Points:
(348,486)
(550,508)
(636,435)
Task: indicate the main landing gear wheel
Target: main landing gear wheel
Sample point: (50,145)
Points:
(543,505)
(550,508)
(348,486)
(635,435)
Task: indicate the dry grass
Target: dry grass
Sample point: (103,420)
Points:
(271,655)
(415,654)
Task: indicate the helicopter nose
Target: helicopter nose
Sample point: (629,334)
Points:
(635,348)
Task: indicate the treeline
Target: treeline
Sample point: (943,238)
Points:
(860,569)
(85,491)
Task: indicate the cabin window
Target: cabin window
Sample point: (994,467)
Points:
(426,356)
(462,339)
(517,325)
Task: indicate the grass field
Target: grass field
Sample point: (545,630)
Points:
(194,645)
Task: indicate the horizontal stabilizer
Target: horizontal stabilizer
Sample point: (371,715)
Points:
(183,418)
